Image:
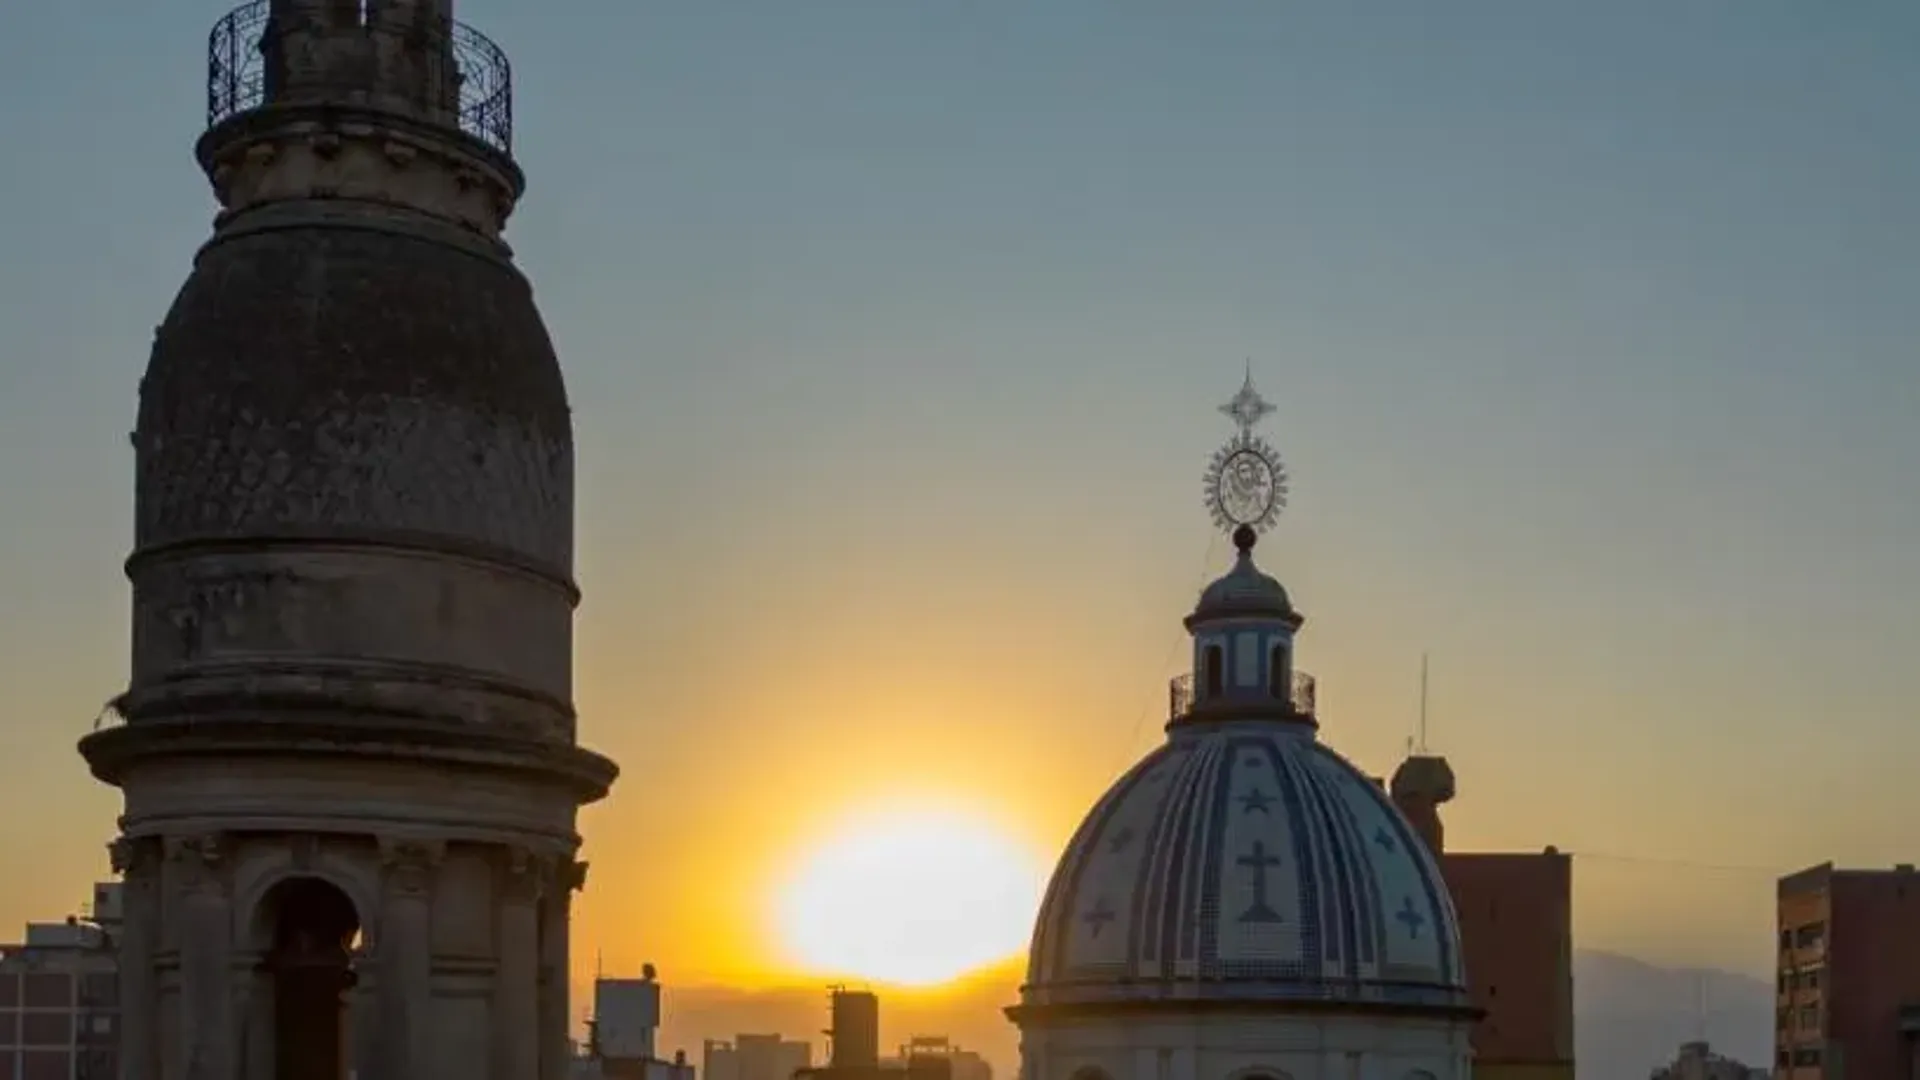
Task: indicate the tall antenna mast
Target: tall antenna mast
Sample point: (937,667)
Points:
(1700,1005)
(1423,702)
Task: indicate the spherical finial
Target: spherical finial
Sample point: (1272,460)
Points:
(1244,538)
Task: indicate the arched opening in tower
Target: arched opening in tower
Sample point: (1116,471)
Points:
(308,970)
(1215,674)
(1279,683)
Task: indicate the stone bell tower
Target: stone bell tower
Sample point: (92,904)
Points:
(347,747)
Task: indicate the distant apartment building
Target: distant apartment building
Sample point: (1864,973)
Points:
(621,1034)
(1516,931)
(923,1050)
(59,997)
(755,1057)
(854,1047)
(1848,981)
(1697,1061)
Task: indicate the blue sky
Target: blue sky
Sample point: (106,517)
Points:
(1590,330)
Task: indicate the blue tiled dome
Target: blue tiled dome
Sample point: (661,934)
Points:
(1244,861)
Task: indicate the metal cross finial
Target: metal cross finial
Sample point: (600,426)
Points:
(1246,484)
(1247,407)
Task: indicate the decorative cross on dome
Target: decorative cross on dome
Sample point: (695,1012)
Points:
(1409,918)
(1098,917)
(1247,407)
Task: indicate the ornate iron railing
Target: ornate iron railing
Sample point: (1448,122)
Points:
(237,73)
(1182,698)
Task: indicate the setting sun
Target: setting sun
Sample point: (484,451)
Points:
(916,899)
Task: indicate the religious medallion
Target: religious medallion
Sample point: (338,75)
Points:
(1246,483)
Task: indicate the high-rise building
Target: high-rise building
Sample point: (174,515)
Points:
(1516,932)
(620,1041)
(59,997)
(1848,975)
(854,1046)
(1244,902)
(350,699)
(854,1033)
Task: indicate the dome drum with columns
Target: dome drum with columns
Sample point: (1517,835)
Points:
(1244,900)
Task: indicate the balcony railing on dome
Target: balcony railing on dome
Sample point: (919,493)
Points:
(1182,699)
(237,72)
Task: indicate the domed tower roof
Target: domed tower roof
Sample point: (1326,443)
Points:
(1246,862)
(1244,591)
(1245,865)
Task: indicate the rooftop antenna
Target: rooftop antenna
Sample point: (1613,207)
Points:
(1700,1005)
(1423,702)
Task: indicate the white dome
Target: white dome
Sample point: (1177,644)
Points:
(1246,862)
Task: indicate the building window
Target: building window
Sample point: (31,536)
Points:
(46,1028)
(1215,677)
(1809,1018)
(100,989)
(45,1065)
(1810,936)
(1786,942)
(1278,685)
(47,991)
(1810,979)
(1806,1056)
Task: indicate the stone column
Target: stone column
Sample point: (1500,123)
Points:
(406,956)
(135,861)
(206,955)
(256,1017)
(516,991)
(556,1018)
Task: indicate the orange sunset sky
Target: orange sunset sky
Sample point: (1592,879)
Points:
(894,334)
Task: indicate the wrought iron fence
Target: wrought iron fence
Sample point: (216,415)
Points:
(237,73)
(1181,696)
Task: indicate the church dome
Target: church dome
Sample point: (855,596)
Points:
(1244,861)
(1243,591)
(1245,902)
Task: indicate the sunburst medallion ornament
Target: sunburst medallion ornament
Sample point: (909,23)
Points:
(1246,483)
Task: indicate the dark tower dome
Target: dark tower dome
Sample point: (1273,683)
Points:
(350,709)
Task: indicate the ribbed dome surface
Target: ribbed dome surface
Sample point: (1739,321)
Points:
(1245,861)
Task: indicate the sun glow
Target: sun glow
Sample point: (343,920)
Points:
(916,899)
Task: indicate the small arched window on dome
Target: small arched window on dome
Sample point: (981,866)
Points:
(1214,677)
(1279,677)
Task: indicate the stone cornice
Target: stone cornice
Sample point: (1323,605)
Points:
(414,544)
(325,150)
(1030,1014)
(111,753)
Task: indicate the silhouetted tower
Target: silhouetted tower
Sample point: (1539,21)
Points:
(1420,786)
(856,1030)
(347,747)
